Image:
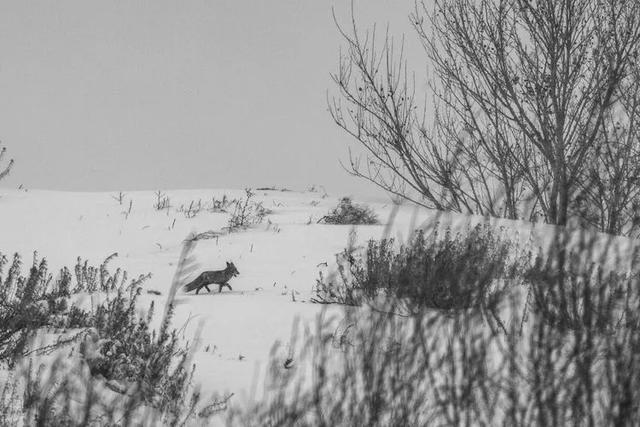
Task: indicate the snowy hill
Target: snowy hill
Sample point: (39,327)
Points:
(278,260)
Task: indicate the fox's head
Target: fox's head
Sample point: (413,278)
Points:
(232,268)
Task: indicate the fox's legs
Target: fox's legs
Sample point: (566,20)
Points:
(196,284)
(222,285)
(203,286)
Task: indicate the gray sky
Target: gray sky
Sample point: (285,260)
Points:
(110,95)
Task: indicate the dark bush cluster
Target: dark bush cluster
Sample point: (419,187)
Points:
(124,349)
(568,354)
(35,301)
(146,368)
(28,303)
(246,212)
(580,296)
(91,279)
(347,212)
(430,271)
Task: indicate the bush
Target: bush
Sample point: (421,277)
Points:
(192,210)
(247,212)
(118,348)
(435,367)
(33,302)
(349,213)
(576,296)
(162,201)
(91,279)
(26,304)
(452,272)
(63,394)
(124,350)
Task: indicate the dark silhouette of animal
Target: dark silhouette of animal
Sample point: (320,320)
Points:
(218,277)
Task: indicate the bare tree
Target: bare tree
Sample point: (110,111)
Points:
(523,89)
(609,192)
(380,110)
(4,171)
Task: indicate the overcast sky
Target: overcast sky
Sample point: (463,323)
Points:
(124,95)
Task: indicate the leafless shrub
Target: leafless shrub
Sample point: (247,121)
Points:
(247,212)
(432,271)
(91,279)
(220,205)
(58,394)
(584,293)
(162,201)
(149,373)
(128,211)
(192,210)
(35,301)
(436,367)
(348,213)
(273,227)
(119,197)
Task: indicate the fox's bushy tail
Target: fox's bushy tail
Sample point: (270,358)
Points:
(192,286)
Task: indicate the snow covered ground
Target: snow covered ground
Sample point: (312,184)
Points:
(279,262)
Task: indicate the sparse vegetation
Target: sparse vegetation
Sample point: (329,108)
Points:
(446,367)
(119,197)
(535,113)
(273,188)
(123,350)
(192,210)
(26,304)
(35,301)
(448,272)
(162,201)
(583,294)
(127,212)
(145,368)
(56,394)
(220,205)
(247,212)
(349,213)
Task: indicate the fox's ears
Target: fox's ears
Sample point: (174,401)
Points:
(228,263)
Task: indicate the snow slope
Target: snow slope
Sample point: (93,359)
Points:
(278,261)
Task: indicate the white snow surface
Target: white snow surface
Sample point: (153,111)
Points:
(276,260)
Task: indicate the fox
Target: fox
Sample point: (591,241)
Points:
(218,277)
